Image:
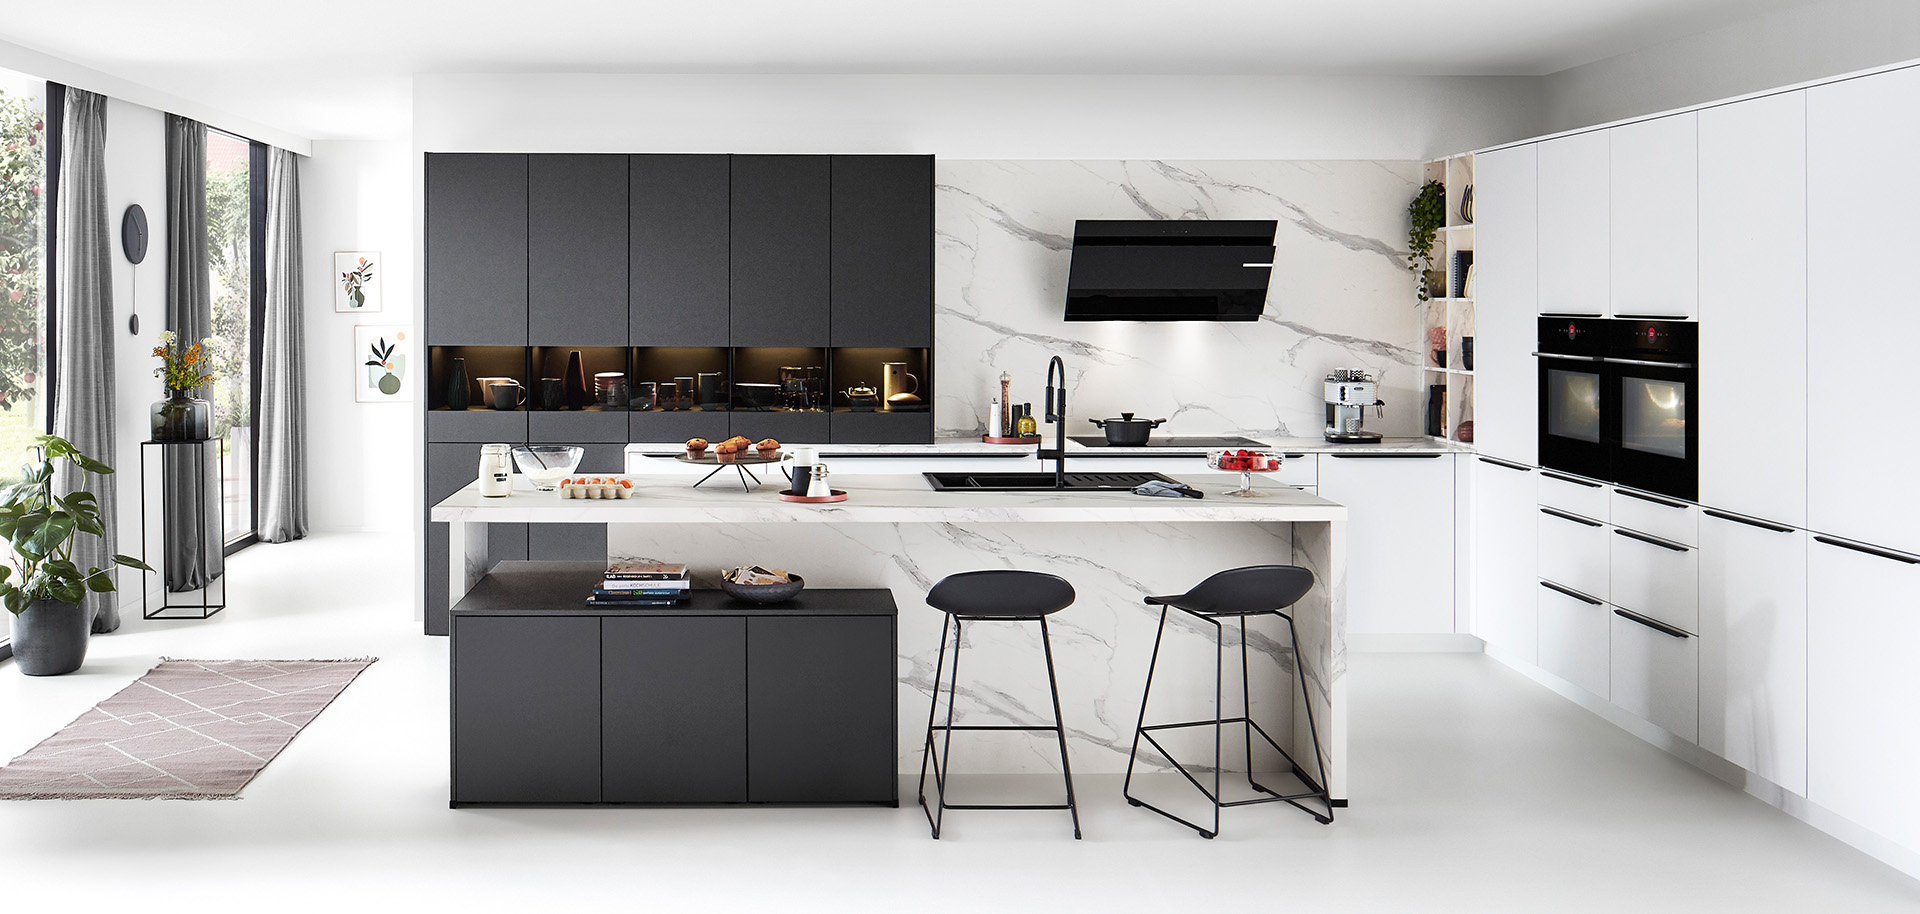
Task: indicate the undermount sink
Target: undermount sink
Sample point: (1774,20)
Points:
(1039,482)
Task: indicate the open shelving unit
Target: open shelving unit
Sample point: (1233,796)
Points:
(1447,322)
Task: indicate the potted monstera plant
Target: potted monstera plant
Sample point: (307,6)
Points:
(41,586)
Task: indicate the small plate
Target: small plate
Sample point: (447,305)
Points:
(838,495)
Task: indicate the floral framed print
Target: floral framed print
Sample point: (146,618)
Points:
(356,280)
(382,364)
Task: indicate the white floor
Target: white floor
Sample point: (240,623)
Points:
(1474,790)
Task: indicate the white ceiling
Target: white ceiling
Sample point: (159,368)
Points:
(344,68)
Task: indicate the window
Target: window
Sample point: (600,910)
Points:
(23,281)
(230,245)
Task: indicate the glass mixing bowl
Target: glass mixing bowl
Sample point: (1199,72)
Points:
(545,465)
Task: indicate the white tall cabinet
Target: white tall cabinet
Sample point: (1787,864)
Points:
(1863,319)
(1753,307)
(1863,620)
(1654,214)
(1506,277)
(1575,231)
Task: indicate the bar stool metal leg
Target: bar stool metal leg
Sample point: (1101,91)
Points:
(933,708)
(1139,726)
(1059,726)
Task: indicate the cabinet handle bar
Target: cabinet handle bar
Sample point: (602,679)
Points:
(1654,624)
(1879,553)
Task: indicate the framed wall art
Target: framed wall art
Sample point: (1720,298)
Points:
(382,364)
(356,281)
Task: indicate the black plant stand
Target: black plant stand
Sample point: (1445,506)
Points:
(206,607)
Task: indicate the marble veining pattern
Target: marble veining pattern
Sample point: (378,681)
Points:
(1341,295)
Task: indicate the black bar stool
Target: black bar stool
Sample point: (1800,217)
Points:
(991,596)
(1256,590)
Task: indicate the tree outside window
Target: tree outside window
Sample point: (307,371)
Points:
(22,282)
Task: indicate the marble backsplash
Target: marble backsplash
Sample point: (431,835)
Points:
(1341,294)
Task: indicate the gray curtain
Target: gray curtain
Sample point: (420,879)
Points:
(83,393)
(283,379)
(190,507)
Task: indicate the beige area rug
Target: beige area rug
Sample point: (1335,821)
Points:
(187,730)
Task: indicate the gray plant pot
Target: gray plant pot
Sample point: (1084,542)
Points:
(50,638)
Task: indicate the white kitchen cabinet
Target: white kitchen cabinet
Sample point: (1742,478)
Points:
(1575,247)
(1753,646)
(1655,674)
(1399,539)
(1574,552)
(1863,749)
(1574,495)
(1753,307)
(1506,303)
(1575,638)
(1655,214)
(1505,553)
(1861,318)
(1658,515)
(1655,577)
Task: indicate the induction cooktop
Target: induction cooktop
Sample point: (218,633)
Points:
(1189,442)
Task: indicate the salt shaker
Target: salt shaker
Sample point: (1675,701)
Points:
(496,470)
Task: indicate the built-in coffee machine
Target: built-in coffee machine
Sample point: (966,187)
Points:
(1349,393)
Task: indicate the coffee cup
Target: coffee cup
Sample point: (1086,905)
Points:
(799,468)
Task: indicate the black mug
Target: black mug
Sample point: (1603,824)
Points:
(552,393)
(1466,347)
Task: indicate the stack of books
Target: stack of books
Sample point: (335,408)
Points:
(642,584)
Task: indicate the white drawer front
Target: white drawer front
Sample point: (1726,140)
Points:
(1301,472)
(1574,552)
(1573,495)
(1575,634)
(1656,677)
(1657,515)
(1659,579)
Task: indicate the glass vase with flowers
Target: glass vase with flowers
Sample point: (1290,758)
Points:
(182,416)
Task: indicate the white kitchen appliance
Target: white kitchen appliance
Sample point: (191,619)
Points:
(1349,392)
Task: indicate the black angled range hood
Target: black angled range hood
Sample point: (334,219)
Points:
(1170,270)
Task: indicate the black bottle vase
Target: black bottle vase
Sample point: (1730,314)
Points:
(457,395)
(576,381)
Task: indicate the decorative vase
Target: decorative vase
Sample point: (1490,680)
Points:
(50,638)
(182,417)
(457,396)
(576,381)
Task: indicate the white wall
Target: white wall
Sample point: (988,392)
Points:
(136,173)
(1781,48)
(976,117)
(356,196)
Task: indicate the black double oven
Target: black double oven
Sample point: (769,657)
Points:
(1619,401)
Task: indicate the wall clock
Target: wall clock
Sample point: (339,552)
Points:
(133,241)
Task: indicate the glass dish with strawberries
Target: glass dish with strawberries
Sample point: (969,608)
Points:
(1246,463)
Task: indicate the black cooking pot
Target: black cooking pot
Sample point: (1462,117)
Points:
(1127,431)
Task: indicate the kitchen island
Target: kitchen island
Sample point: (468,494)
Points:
(895,532)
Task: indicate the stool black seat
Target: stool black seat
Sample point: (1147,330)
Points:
(1237,593)
(990,596)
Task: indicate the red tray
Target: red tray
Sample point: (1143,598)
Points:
(992,440)
(838,495)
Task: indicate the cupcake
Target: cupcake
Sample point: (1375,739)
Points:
(696,447)
(768,448)
(726,453)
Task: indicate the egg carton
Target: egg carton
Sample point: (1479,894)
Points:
(597,487)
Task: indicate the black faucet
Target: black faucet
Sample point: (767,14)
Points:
(1056,412)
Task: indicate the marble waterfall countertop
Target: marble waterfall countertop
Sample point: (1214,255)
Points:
(974,447)
(881,498)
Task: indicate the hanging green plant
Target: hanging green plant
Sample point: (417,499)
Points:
(1427,213)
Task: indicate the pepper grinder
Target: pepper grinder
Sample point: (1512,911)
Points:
(1006,404)
(818,487)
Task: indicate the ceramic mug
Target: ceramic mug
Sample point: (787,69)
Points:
(552,394)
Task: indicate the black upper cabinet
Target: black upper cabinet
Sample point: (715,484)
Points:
(476,249)
(782,245)
(577,249)
(680,239)
(883,251)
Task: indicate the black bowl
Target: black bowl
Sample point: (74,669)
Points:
(764,593)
